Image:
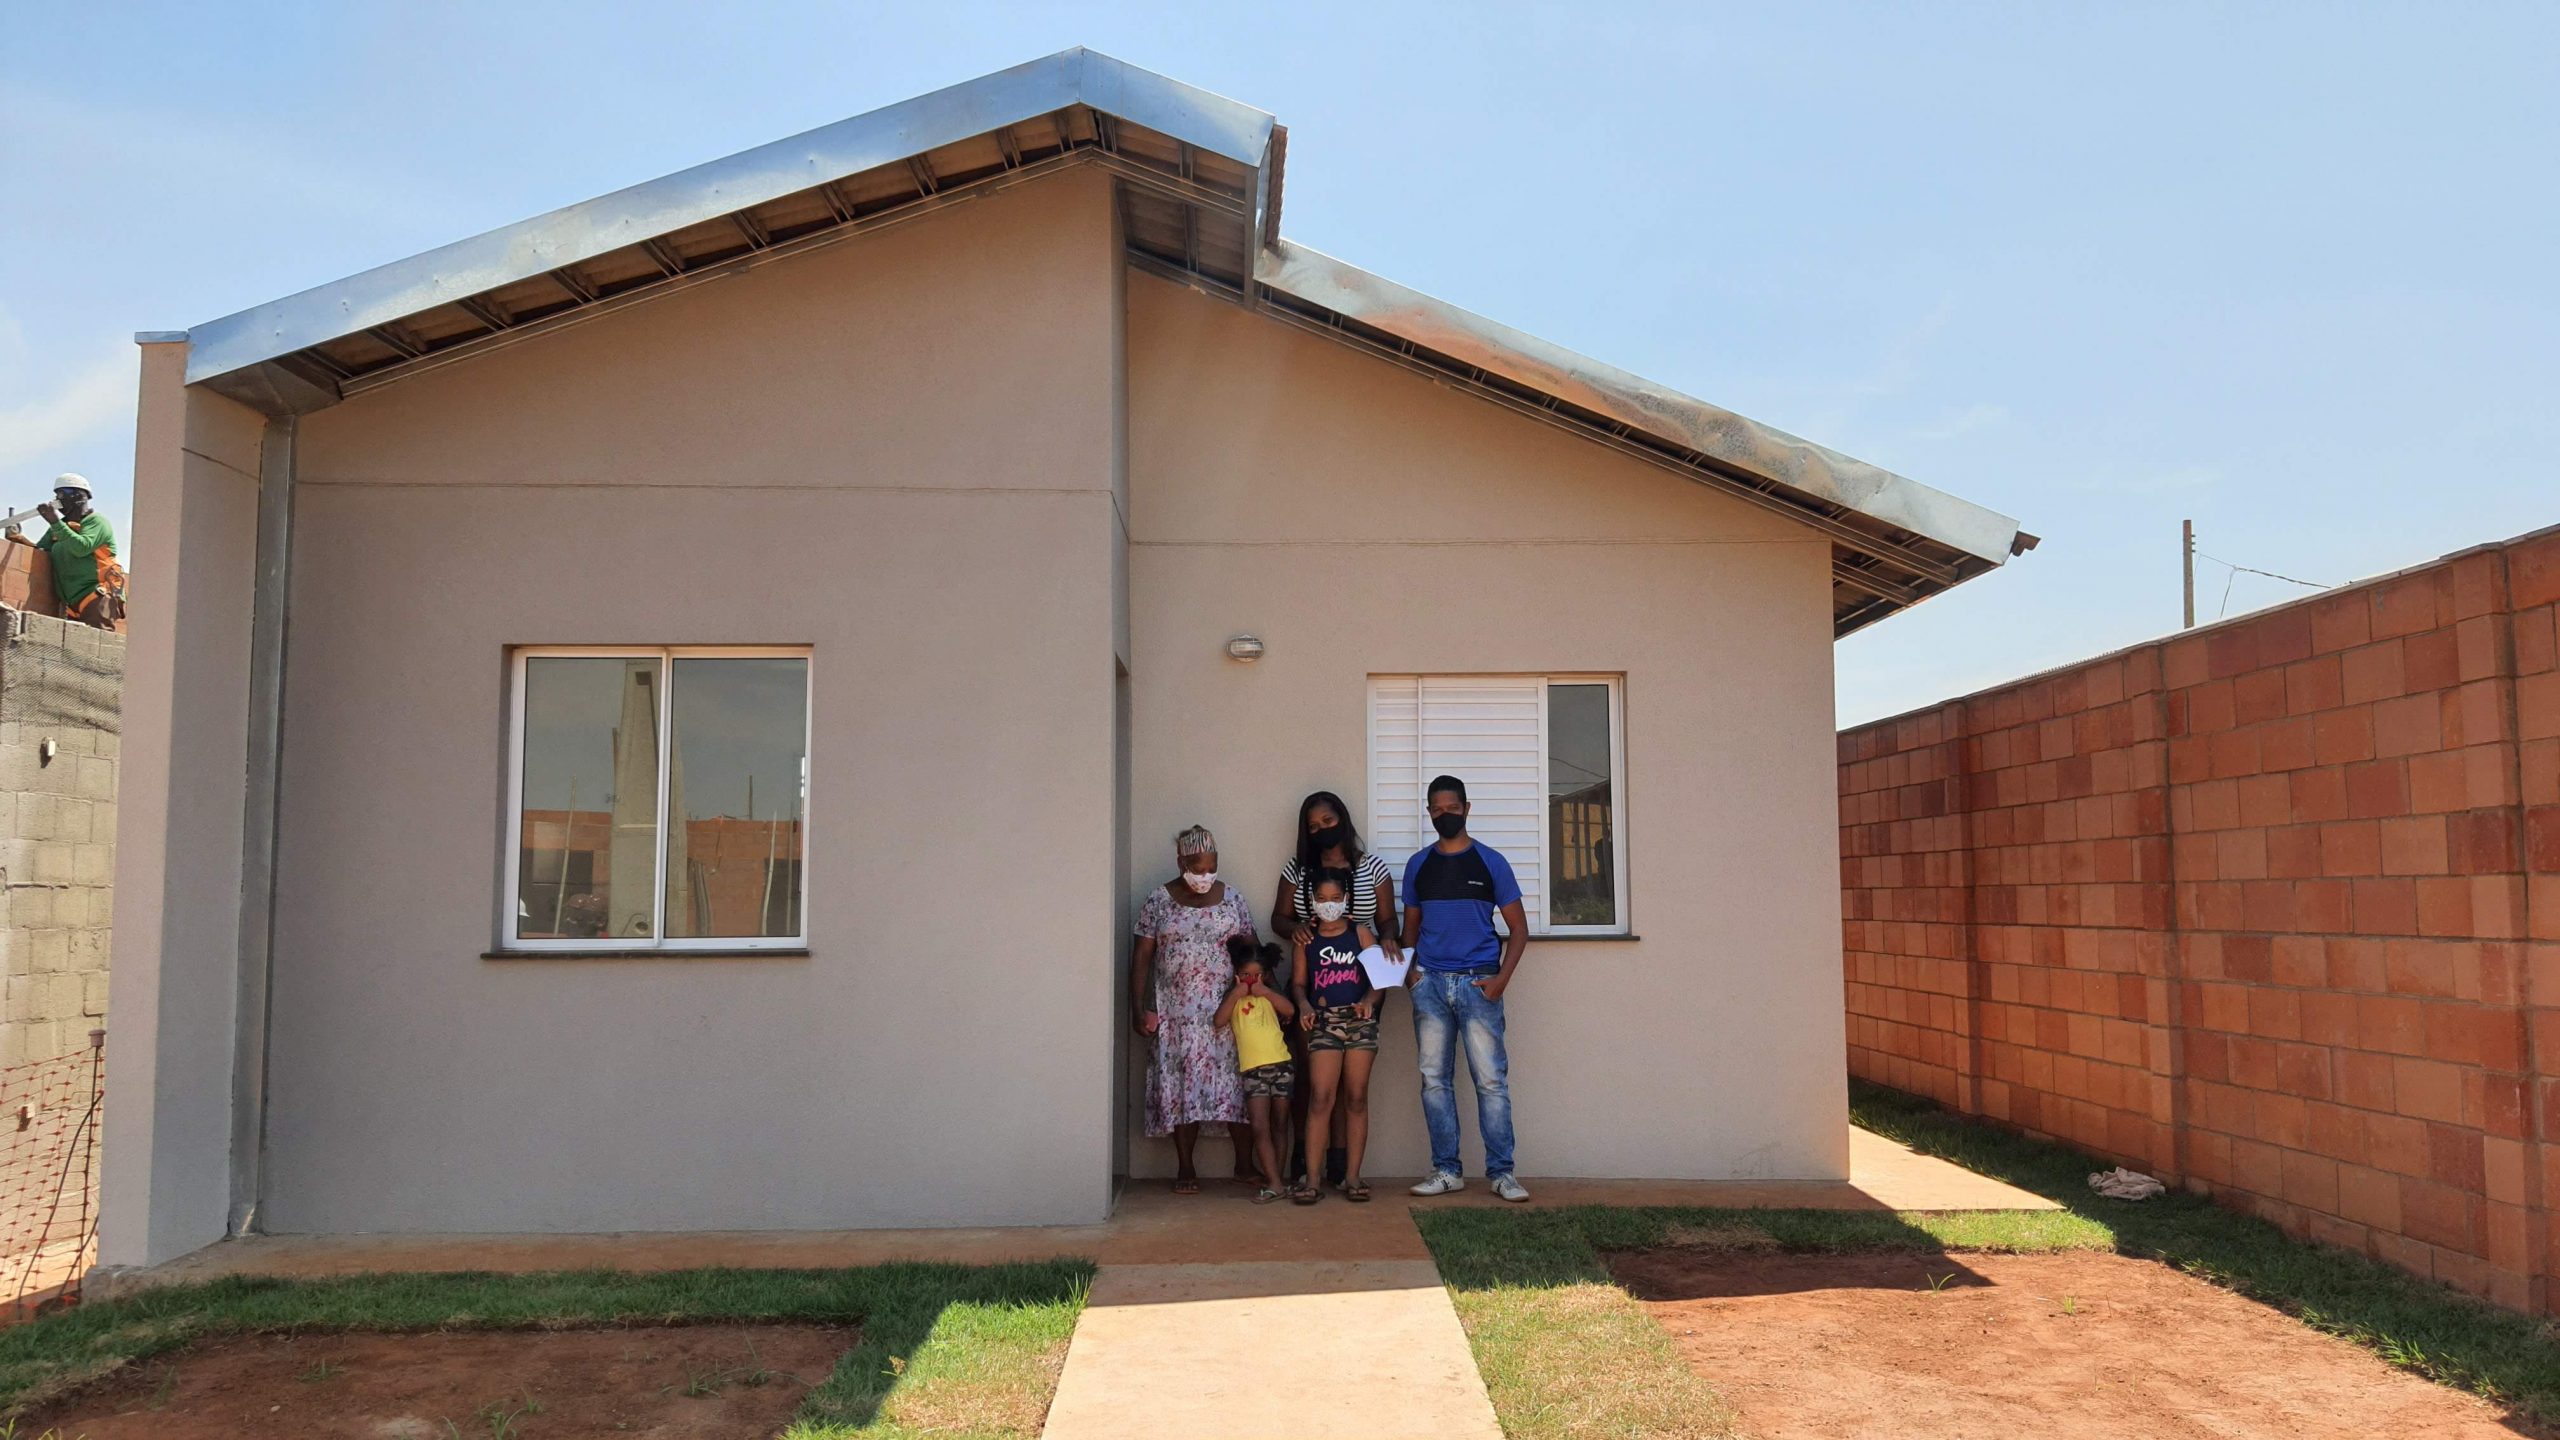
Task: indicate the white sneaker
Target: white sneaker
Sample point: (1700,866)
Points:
(1510,1189)
(1442,1183)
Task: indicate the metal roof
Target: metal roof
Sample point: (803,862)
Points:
(1199,192)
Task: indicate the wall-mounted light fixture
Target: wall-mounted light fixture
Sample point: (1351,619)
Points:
(1247,648)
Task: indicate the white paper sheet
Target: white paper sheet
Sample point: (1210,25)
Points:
(1384,973)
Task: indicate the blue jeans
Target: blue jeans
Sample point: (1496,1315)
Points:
(1444,1006)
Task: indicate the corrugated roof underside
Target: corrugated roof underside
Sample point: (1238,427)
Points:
(1186,223)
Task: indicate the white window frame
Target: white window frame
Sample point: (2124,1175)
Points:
(1616,684)
(666,656)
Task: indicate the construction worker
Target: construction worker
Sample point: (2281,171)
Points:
(82,546)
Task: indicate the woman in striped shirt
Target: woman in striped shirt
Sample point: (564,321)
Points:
(1327,840)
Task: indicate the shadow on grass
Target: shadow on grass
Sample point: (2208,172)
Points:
(1488,1249)
(906,1314)
(1689,1271)
(2449,1337)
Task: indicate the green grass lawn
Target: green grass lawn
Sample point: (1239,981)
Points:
(945,1350)
(1565,1352)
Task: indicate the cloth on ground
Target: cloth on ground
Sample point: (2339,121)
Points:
(2123,1184)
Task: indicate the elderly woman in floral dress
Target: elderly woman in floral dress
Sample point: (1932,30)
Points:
(1178,974)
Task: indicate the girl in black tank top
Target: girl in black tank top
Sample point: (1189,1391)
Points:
(1338,1010)
(1335,980)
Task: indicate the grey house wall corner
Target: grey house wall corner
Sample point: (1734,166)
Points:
(173,987)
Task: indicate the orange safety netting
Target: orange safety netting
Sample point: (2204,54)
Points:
(49,1112)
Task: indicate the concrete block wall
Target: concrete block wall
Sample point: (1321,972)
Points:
(2270,908)
(59,682)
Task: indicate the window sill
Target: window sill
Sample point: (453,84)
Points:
(1574,939)
(798,954)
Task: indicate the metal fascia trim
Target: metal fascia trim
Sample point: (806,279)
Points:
(1799,464)
(751,177)
(1187,113)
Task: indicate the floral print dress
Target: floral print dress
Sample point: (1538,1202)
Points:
(1193,1075)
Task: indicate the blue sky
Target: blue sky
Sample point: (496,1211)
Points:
(2286,269)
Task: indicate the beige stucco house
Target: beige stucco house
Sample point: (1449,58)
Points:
(657,717)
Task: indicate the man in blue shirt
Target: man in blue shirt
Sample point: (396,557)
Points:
(1461,967)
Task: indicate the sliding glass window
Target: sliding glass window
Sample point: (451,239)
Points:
(659,799)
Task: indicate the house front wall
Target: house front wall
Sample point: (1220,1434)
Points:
(1014,499)
(902,452)
(1362,521)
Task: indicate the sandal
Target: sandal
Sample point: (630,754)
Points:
(1357,1192)
(1186,1187)
(1305,1195)
(1265,1195)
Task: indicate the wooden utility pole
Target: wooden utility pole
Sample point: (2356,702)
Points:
(2187,563)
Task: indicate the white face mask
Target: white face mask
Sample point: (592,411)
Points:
(1331,910)
(1198,881)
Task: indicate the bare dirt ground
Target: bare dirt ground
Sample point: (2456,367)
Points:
(2022,1345)
(683,1383)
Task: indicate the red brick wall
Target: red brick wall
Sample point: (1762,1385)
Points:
(2271,908)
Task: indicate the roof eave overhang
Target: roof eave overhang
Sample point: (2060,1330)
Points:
(1896,541)
(1823,476)
(564,238)
(1199,191)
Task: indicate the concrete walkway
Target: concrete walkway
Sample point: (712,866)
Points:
(1306,1350)
(1178,1337)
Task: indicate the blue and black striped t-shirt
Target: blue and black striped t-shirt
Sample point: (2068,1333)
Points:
(1458,895)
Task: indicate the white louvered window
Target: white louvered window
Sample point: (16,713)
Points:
(1544,760)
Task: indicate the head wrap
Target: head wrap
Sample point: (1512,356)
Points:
(1195,841)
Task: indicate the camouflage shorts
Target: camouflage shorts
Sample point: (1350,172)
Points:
(1270,1081)
(1342,1027)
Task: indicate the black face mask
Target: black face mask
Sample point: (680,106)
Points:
(1451,825)
(1330,836)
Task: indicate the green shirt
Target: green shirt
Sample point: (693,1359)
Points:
(73,546)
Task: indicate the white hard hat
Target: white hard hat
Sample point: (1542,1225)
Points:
(68,481)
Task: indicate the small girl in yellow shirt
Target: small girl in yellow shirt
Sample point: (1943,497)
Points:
(1253,1010)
